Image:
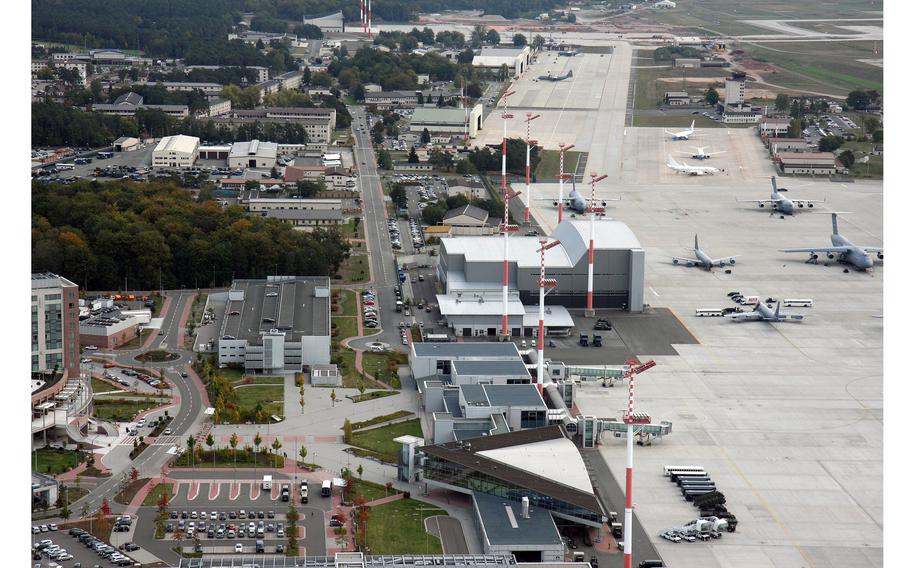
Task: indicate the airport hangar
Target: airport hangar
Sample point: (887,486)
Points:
(278,324)
(470,269)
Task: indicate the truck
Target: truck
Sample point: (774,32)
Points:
(267,482)
(327,488)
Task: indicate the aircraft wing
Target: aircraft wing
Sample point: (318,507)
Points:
(726,259)
(793,317)
(678,259)
(873,249)
(743,316)
(806,201)
(817,249)
(757,200)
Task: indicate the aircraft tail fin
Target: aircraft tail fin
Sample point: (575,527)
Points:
(692,126)
(570,73)
(696,242)
(671,161)
(834,224)
(777,311)
(774,187)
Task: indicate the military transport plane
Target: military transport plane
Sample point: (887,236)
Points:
(764,313)
(703,260)
(550,77)
(780,203)
(691,170)
(576,202)
(842,250)
(682,134)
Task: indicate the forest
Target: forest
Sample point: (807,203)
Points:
(98,234)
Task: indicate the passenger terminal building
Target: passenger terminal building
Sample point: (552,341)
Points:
(278,324)
(470,270)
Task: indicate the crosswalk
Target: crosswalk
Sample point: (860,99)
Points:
(167,440)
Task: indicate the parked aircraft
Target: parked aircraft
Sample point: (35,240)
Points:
(575,201)
(842,250)
(703,260)
(780,203)
(691,170)
(763,313)
(701,154)
(682,134)
(550,77)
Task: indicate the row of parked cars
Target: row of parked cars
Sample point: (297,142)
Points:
(370,309)
(394,234)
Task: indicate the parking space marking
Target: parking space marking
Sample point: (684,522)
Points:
(193,491)
(214,490)
(276,491)
(235,490)
(254,491)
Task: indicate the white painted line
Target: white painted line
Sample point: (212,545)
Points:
(653,291)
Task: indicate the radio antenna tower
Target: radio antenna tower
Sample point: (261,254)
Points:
(506,227)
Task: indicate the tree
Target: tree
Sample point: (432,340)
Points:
(84,512)
(360,471)
(333,396)
(847,158)
(348,431)
(163,501)
(858,99)
(257,441)
(478,35)
(519,40)
(276,445)
(303,453)
(878,136)
(782,102)
(711,96)
(538,42)
(871,124)
(384,160)
(179,535)
(571,18)
(412,156)
(191,446)
(105,507)
(362,388)
(210,441)
(377,133)
(134,474)
(358,92)
(307,76)
(233,443)
(492,37)
(425,136)
(830,143)
(503,72)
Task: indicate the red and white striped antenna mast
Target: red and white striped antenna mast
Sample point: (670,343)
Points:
(544,284)
(528,143)
(594,209)
(464,103)
(363,16)
(505,227)
(631,419)
(562,175)
(370,19)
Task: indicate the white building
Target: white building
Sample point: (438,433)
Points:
(516,59)
(253,154)
(665,4)
(331,23)
(448,120)
(262,205)
(178,151)
(735,89)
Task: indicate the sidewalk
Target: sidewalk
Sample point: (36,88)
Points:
(164,309)
(181,323)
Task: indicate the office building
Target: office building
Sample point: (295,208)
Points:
(55,324)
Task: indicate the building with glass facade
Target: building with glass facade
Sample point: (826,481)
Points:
(55,324)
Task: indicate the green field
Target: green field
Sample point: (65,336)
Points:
(55,461)
(347,302)
(398,528)
(121,409)
(101,386)
(372,491)
(157,491)
(379,440)
(265,391)
(548,167)
(349,230)
(346,327)
(650,89)
(356,268)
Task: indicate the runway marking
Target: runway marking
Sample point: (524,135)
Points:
(653,291)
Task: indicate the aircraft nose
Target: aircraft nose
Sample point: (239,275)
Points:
(866,262)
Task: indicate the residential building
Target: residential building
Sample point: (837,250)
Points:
(218,107)
(392,99)
(262,73)
(178,151)
(289,80)
(403,166)
(55,324)
(296,173)
(210,89)
(128,103)
(278,324)
(339,178)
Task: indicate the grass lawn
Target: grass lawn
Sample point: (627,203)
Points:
(231,374)
(379,440)
(383,366)
(73,493)
(135,342)
(198,308)
(351,231)
(383,418)
(121,409)
(675,120)
(548,167)
(347,303)
(224,459)
(345,327)
(270,395)
(55,461)
(398,528)
(650,88)
(350,378)
(125,496)
(153,496)
(355,268)
(370,395)
(101,386)
(251,380)
(372,491)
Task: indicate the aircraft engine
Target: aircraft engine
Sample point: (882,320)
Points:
(721,264)
(761,204)
(675,261)
(555,204)
(603,203)
(800,205)
(690,264)
(732,261)
(811,205)
(830,256)
(881,256)
(813,256)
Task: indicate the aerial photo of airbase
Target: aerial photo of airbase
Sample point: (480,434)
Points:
(474,284)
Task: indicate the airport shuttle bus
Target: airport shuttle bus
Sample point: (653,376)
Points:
(677,470)
(798,302)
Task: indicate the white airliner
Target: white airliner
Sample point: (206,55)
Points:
(691,170)
(701,154)
(683,134)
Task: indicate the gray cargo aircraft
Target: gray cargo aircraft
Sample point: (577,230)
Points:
(764,313)
(703,260)
(842,250)
(780,203)
(575,201)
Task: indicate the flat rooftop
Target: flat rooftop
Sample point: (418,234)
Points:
(287,304)
(455,350)
(504,367)
(504,525)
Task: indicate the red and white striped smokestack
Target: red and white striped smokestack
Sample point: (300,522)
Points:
(529,117)
(543,284)
(505,227)
(593,210)
(562,176)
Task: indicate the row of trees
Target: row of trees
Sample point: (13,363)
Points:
(98,234)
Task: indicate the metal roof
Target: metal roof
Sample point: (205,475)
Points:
(178,143)
(504,526)
(609,234)
(453,116)
(472,349)
(451,306)
(513,395)
(554,316)
(254,148)
(489,368)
